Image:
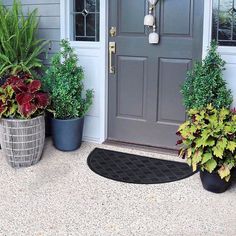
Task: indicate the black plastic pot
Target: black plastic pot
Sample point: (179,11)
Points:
(67,134)
(48,124)
(213,183)
(234,173)
(3,80)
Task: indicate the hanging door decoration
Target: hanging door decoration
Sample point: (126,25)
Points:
(150,22)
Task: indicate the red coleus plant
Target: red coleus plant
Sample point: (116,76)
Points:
(21,96)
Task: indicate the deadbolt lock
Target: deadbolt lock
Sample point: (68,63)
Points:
(113,31)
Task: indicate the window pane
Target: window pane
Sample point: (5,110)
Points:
(86,20)
(79,19)
(91,5)
(79,5)
(224,22)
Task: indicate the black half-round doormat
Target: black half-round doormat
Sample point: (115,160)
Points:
(131,168)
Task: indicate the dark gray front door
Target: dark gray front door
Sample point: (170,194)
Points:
(145,104)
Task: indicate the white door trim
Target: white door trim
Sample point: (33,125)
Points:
(207,23)
(101,49)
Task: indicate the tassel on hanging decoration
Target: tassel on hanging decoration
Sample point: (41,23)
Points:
(153,2)
(150,21)
(154,36)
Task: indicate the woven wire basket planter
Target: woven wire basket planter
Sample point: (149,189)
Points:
(22,141)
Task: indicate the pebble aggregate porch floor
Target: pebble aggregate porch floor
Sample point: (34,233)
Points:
(62,196)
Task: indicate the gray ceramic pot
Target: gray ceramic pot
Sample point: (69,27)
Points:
(22,140)
(67,134)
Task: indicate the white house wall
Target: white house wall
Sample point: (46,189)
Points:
(230,72)
(227,53)
(91,61)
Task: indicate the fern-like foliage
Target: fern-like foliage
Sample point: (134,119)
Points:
(19,46)
(64,82)
(205,83)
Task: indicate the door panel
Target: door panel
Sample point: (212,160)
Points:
(177,17)
(131,95)
(145,106)
(130,10)
(172,74)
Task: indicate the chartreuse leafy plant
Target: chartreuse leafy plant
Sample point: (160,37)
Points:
(20,49)
(208,140)
(64,82)
(205,84)
(21,97)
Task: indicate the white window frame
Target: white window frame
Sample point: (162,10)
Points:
(207,29)
(67,26)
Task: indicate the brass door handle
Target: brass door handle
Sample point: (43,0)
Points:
(112,50)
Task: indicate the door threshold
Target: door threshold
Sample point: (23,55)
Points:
(140,147)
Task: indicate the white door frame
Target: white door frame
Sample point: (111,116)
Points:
(99,48)
(207,23)
(103,45)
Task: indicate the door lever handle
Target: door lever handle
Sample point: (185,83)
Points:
(112,50)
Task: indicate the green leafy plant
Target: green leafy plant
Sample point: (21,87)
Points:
(20,48)
(208,140)
(21,97)
(64,81)
(205,84)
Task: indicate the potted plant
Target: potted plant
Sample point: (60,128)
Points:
(205,84)
(208,141)
(22,124)
(20,48)
(69,101)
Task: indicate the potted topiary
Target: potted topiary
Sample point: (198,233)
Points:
(205,84)
(208,141)
(22,125)
(69,101)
